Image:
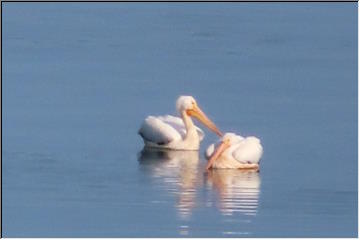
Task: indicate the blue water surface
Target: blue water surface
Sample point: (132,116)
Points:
(79,78)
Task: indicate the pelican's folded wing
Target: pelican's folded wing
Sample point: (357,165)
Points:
(248,150)
(157,131)
(179,125)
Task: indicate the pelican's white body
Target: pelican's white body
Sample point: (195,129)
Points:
(169,132)
(242,153)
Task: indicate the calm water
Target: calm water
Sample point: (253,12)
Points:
(78,79)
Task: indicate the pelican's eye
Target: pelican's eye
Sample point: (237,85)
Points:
(193,104)
(191,108)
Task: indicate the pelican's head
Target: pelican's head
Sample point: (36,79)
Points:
(231,138)
(188,105)
(225,142)
(184,103)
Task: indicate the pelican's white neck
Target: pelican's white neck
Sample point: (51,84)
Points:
(191,137)
(189,124)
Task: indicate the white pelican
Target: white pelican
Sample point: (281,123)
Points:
(234,151)
(168,132)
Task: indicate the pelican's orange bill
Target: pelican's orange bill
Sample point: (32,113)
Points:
(217,152)
(198,114)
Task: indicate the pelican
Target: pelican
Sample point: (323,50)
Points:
(234,151)
(169,132)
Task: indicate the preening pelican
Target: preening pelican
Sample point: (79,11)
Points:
(234,151)
(169,132)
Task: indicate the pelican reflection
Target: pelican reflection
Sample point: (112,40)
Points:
(178,173)
(238,190)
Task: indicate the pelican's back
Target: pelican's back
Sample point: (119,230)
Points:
(248,150)
(156,131)
(162,130)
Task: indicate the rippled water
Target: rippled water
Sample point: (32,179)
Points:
(78,79)
(181,174)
